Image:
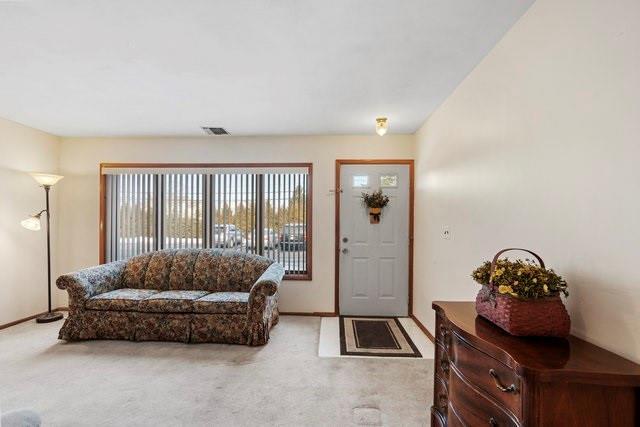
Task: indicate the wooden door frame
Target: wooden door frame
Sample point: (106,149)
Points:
(338,191)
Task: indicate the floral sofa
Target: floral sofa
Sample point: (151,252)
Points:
(188,295)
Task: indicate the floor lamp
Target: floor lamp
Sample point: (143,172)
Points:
(33,223)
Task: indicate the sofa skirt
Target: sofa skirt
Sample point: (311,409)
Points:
(179,327)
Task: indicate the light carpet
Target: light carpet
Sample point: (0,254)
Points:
(284,383)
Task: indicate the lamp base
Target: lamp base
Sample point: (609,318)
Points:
(51,316)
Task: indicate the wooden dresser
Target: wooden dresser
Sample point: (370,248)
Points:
(486,377)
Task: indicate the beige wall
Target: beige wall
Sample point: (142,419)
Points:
(539,148)
(80,159)
(23,256)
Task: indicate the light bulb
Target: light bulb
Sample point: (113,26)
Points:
(382,125)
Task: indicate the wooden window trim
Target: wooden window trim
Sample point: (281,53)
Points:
(309,166)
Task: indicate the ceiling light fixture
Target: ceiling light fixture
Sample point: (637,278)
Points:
(382,125)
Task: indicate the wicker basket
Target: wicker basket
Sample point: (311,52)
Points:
(535,317)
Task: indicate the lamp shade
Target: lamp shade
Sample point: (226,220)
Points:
(32,223)
(46,178)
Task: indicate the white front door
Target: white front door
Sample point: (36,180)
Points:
(374,258)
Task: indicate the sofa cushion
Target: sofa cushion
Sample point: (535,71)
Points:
(159,269)
(229,273)
(181,277)
(135,271)
(125,299)
(222,302)
(206,269)
(171,302)
(252,269)
(213,270)
(229,270)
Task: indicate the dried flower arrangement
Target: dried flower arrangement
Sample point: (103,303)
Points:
(521,279)
(375,200)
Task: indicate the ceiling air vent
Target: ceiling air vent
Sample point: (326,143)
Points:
(214,131)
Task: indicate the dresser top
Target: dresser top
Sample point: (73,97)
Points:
(549,359)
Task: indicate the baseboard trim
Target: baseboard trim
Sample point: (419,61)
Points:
(423,328)
(26,319)
(315,313)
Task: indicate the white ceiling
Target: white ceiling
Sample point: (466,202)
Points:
(262,67)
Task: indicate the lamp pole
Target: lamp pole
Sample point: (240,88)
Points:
(49,316)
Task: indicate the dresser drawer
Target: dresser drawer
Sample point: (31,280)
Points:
(468,407)
(484,372)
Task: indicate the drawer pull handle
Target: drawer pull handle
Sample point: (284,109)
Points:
(510,389)
(493,422)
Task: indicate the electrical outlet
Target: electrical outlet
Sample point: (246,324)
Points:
(446,233)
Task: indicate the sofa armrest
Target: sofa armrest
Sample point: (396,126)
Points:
(83,284)
(269,282)
(263,301)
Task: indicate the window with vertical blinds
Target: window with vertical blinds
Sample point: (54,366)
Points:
(260,209)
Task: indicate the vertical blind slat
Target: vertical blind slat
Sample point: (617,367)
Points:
(296,207)
(174,210)
(123,223)
(143,214)
(136,205)
(278,213)
(109,212)
(137,212)
(180,211)
(149,216)
(129,215)
(116,226)
(168,210)
(232,178)
(193,236)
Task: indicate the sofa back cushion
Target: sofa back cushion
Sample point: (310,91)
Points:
(159,269)
(181,277)
(227,271)
(135,271)
(213,270)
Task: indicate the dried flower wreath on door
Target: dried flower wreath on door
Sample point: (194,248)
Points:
(375,202)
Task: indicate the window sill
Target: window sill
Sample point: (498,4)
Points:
(297,277)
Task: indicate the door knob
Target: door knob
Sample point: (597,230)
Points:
(345,239)
(345,250)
